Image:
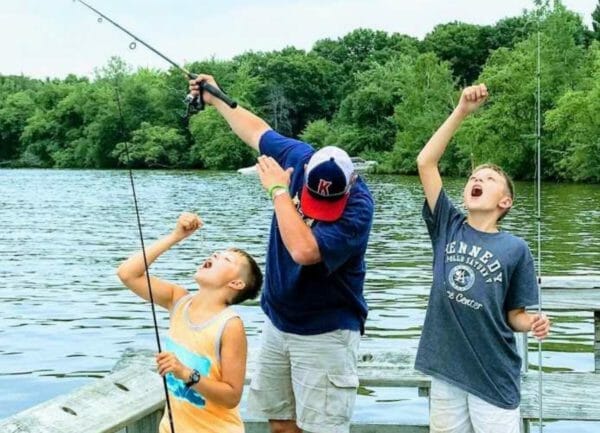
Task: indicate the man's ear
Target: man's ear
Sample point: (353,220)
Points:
(506,202)
(237,284)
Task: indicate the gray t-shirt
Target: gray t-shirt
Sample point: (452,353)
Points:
(477,278)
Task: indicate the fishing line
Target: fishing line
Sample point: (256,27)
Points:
(539,214)
(194,103)
(139,224)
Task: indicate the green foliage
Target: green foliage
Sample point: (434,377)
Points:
(427,95)
(215,145)
(13,84)
(317,133)
(362,47)
(360,50)
(14,111)
(376,94)
(596,22)
(465,46)
(365,121)
(509,31)
(504,132)
(63,134)
(151,146)
(393,111)
(574,126)
(297,87)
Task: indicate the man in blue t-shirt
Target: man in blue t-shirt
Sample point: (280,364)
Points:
(483,279)
(306,377)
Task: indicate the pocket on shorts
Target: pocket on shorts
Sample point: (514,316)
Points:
(341,395)
(269,397)
(340,335)
(344,336)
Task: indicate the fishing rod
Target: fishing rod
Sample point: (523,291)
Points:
(139,224)
(194,103)
(538,176)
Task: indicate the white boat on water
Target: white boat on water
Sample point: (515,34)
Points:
(247,170)
(360,164)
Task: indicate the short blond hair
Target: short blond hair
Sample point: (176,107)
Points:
(252,277)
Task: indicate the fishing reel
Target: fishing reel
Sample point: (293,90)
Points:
(195,104)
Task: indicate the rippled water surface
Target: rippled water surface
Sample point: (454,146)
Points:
(65,319)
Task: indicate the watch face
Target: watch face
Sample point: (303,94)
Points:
(194,378)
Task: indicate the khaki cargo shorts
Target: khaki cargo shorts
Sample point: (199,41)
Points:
(308,378)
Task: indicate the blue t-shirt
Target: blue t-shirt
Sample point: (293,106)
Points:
(477,278)
(326,296)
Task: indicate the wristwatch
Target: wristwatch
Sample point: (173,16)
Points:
(193,379)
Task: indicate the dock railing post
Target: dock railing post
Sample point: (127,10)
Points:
(147,424)
(522,345)
(596,341)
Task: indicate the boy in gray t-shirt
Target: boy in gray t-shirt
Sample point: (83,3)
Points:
(483,279)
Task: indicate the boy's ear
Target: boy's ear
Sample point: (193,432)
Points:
(506,202)
(237,284)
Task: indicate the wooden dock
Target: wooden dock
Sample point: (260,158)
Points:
(130,400)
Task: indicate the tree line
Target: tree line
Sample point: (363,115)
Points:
(378,95)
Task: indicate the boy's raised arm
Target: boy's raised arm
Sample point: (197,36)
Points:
(427,162)
(132,271)
(246,125)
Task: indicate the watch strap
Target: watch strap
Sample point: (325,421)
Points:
(193,379)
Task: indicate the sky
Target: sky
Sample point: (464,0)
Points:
(52,38)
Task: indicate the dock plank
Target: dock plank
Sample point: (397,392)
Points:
(566,396)
(571,282)
(105,406)
(562,299)
(129,398)
(134,392)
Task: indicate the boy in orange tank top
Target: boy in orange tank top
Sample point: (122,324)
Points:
(205,354)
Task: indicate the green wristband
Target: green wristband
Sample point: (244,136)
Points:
(275,187)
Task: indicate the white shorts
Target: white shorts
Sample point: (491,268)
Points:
(453,410)
(308,378)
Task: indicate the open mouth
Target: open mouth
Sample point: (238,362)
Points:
(207,264)
(476,191)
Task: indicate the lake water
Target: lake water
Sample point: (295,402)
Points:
(65,319)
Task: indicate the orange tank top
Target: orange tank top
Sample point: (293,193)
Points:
(197,346)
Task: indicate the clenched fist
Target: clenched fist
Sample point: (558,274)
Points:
(472,98)
(194,86)
(187,223)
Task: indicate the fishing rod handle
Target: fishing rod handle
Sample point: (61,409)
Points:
(218,94)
